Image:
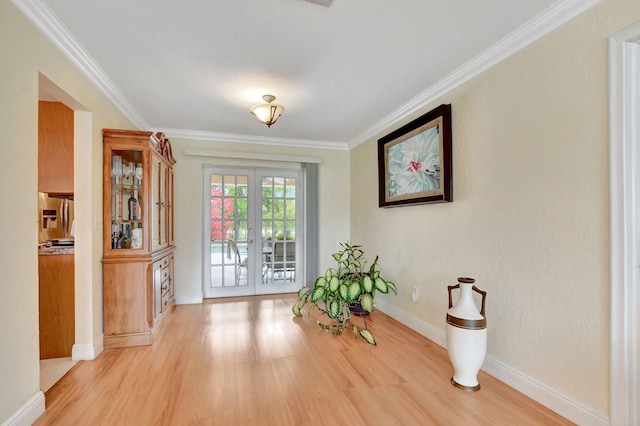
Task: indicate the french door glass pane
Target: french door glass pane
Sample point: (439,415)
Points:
(278,230)
(229,231)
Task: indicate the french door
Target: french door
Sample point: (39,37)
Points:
(253,231)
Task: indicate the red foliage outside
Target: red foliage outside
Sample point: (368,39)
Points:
(221,208)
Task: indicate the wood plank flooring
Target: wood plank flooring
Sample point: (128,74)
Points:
(248,361)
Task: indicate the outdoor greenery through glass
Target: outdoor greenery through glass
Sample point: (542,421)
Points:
(230,226)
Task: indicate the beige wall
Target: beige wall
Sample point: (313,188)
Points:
(530,214)
(333,192)
(25,53)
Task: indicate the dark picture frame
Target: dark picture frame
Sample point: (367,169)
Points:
(414,161)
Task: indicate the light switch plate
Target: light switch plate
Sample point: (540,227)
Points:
(414,294)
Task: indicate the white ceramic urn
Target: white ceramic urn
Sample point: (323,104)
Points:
(466,335)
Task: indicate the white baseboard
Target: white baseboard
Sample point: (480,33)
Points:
(430,332)
(189,299)
(539,392)
(86,351)
(28,413)
(550,398)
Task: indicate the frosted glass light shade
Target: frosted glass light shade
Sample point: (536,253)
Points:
(267,113)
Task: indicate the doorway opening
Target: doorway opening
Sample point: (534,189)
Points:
(61,319)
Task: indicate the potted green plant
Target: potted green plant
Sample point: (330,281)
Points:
(341,289)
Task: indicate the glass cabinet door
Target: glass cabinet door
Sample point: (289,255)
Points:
(170,207)
(155,203)
(127,199)
(161,204)
(162,208)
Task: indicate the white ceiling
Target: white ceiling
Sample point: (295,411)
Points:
(345,72)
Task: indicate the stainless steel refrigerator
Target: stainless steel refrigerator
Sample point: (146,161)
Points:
(55,213)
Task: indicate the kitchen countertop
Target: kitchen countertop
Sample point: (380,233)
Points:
(53,251)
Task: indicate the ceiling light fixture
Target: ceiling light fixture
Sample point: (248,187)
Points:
(267,113)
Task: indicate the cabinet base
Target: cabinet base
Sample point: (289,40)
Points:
(134,339)
(127,340)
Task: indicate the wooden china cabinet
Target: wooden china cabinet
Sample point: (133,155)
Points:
(138,236)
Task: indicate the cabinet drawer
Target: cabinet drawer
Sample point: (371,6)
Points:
(165,273)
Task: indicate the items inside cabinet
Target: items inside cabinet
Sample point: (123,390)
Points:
(127,199)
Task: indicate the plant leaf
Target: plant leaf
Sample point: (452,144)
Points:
(353,291)
(333,284)
(337,256)
(367,302)
(367,284)
(381,285)
(320,282)
(342,291)
(368,336)
(334,308)
(392,286)
(304,291)
(329,273)
(317,294)
(355,331)
(296,310)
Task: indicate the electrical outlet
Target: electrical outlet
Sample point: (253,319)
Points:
(414,294)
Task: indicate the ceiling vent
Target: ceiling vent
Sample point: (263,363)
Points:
(321,2)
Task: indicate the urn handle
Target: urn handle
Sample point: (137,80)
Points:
(449,288)
(484,297)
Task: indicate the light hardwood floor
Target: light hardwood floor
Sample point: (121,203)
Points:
(248,361)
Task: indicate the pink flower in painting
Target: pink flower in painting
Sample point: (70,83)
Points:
(414,164)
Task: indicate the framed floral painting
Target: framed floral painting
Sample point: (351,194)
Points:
(414,162)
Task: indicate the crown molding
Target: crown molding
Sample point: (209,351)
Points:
(44,19)
(549,20)
(258,140)
(194,152)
